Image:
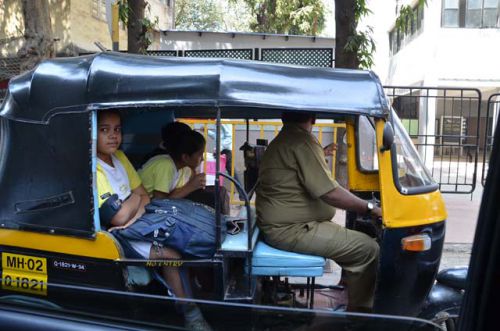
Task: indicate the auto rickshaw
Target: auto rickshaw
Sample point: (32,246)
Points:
(54,252)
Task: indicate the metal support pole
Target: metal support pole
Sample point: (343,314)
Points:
(217,180)
(115,27)
(248,129)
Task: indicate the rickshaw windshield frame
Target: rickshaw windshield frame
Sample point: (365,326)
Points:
(358,146)
(417,161)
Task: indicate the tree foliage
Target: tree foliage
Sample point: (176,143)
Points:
(407,14)
(353,47)
(204,15)
(287,16)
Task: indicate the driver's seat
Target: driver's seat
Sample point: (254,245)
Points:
(270,261)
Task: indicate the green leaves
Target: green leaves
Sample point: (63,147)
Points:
(300,17)
(363,44)
(204,15)
(123,10)
(406,14)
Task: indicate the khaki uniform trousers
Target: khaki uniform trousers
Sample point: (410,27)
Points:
(354,251)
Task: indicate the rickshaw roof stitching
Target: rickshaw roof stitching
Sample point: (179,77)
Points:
(240,88)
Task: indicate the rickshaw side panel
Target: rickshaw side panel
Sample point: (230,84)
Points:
(65,269)
(46,177)
(42,260)
(405,278)
(404,210)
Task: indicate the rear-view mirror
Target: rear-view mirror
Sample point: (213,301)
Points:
(388,137)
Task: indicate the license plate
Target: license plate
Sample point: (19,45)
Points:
(23,273)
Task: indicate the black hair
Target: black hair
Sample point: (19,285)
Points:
(297,117)
(171,132)
(103,112)
(188,142)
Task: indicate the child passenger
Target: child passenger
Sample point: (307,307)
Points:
(173,174)
(121,202)
(169,134)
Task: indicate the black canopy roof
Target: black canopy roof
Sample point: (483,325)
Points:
(242,89)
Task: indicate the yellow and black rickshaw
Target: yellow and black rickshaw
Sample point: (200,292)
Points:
(55,254)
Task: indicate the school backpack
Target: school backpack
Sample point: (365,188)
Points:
(186,226)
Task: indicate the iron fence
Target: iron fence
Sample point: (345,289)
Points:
(162,53)
(313,57)
(492,112)
(445,125)
(242,54)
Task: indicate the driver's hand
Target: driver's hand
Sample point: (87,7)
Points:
(377,212)
(329,149)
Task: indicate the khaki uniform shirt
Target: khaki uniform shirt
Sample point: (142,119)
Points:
(293,176)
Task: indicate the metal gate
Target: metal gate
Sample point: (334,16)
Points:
(444,124)
(492,113)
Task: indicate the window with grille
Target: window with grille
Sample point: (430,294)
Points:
(398,38)
(470,14)
(99,9)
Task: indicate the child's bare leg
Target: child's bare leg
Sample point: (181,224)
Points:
(170,274)
(192,314)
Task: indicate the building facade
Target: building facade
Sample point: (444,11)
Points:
(448,44)
(76,26)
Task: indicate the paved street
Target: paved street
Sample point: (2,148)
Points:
(463,211)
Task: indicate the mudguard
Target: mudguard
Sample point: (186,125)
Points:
(442,302)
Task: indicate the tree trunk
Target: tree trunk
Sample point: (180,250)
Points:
(136,30)
(39,41)
(345,26)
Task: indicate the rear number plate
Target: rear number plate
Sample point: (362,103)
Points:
(23,273)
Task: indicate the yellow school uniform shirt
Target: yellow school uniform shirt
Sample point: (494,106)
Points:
(104,189)
(160,174)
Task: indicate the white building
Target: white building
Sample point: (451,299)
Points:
(449,43)
(452,43)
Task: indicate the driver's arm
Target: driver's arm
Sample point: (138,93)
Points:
(343,199)
(316,179)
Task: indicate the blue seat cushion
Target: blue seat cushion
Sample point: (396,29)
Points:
(288,272)
(270,261)
(239,242)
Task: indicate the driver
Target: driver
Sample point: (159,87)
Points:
(296,199)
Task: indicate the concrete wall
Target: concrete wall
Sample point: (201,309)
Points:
(189,40)
(165,13)
(87,28)
(11,27)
